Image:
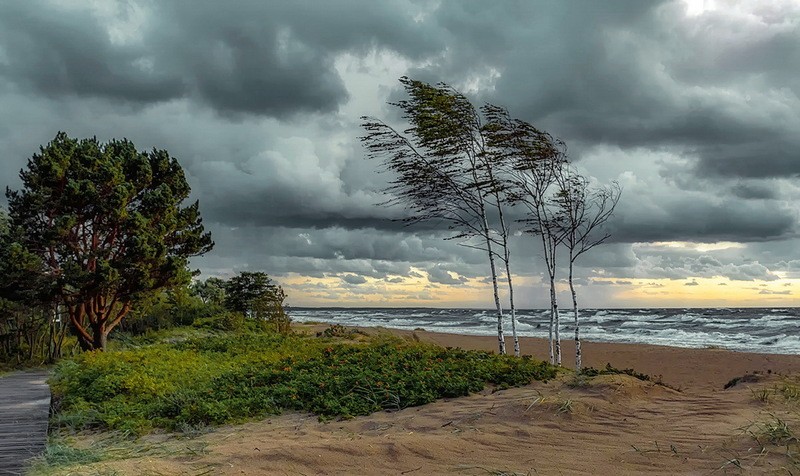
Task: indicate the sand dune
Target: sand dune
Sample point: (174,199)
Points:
(607,425)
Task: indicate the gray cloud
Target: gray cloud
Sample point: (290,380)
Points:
(767,291)
(754,190)
(354,279)
(438,274)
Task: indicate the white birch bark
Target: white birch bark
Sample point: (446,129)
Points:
(578,362)
(555,321)
(513,310)
(501,340)
(507,261)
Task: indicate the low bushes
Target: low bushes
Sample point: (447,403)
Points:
(234,376)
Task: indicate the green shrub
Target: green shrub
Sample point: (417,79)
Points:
(222,321)
(609,370)
(338,330)
(235,376)
(166,310)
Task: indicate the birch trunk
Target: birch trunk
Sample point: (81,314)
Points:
(577,325)
(551,341)
(501,340)
(513,310)
(507,260)
(554,322)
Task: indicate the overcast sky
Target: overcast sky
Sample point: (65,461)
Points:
(694,107)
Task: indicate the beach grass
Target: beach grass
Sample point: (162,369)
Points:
(67,455)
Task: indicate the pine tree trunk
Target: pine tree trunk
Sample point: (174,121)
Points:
(99,336)
(575,312)
(77,318)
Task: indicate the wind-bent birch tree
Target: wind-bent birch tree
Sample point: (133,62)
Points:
(584,211)
(499,191)
(443,171)
(532,159)
(504,232)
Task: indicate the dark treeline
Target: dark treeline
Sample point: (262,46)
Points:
(247,301)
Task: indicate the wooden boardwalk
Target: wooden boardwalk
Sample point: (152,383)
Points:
(24,410)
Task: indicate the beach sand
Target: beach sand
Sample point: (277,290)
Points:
(612,425)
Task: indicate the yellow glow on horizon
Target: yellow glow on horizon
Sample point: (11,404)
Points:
(407,291)
(709,292)
(417,291)
(403,291)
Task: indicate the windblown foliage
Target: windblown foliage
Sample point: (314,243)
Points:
(441,167)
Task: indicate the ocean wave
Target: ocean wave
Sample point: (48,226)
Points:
(751,330)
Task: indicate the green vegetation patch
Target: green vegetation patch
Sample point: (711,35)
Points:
(231,377)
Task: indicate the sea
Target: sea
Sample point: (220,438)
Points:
(761,330)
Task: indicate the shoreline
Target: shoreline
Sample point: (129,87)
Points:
(763,331)
(682,367)
(542,309)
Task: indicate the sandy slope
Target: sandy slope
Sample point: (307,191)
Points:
(611,425)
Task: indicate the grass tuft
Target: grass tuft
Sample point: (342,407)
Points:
(566,407)
(61,454)
(763,395)
(790,390)
(776,431)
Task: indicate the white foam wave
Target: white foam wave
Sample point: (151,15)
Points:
(743,330)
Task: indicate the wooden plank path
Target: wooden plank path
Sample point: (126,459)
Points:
(24,410)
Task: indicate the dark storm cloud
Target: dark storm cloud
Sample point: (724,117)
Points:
(343,244)
(696,116)
(272,58)
(679,218)
(751,190)
(722,86)
(54,51)
(340,252)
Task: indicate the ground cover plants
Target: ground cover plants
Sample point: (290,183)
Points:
(233,376)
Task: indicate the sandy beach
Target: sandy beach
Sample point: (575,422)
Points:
(685,368)
(608,425)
